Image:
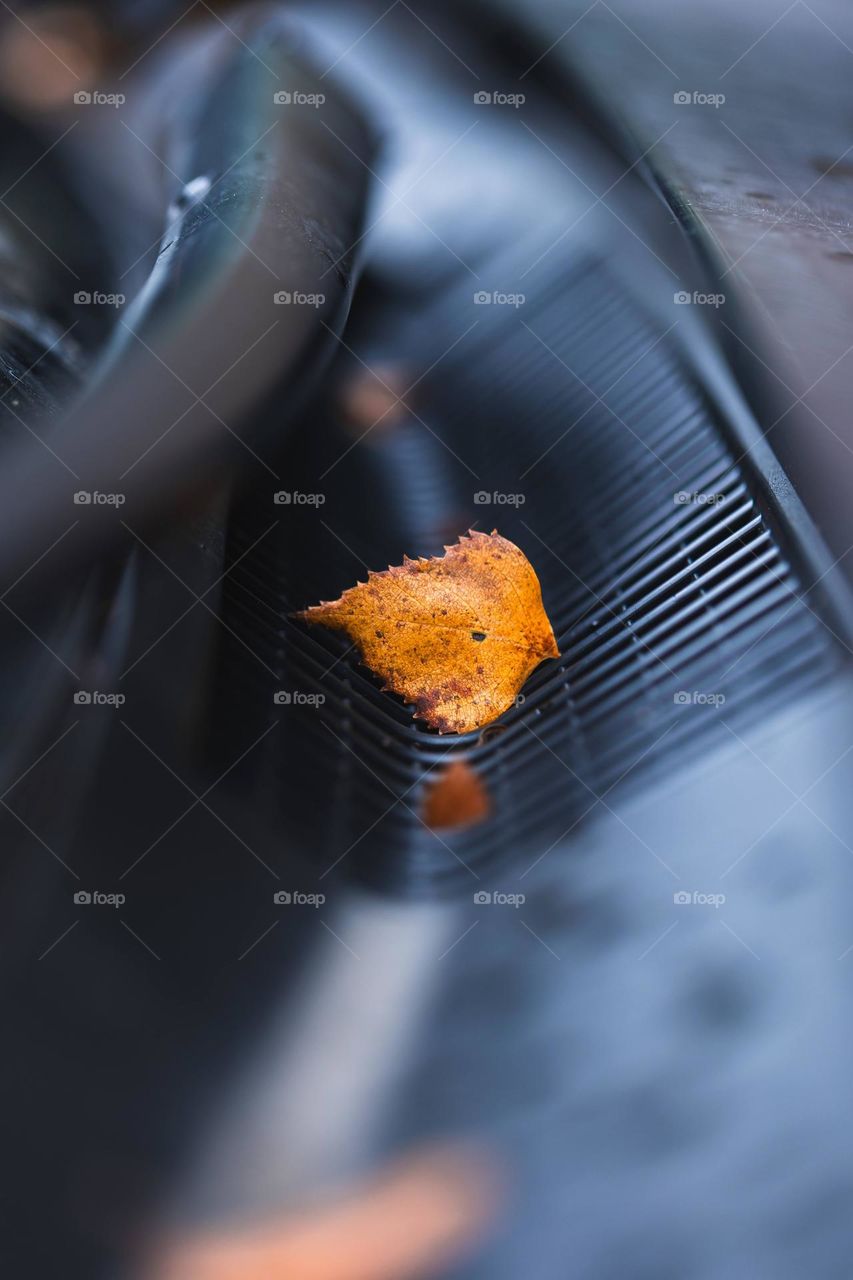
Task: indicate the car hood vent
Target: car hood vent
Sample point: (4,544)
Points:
(678,611)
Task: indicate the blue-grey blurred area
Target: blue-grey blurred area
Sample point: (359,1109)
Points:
(630,990)
(664,1080)
(647,1024)
(766,172)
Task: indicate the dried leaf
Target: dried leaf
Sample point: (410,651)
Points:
(457,797)
(438,1200)
(456,636)
(375,399)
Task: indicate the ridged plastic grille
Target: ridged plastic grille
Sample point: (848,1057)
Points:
(583,405)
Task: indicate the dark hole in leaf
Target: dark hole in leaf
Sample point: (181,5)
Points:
(478,635)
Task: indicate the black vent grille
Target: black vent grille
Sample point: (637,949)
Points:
(585,407)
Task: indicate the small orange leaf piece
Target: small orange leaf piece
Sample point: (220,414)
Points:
(456,798)
(456,636)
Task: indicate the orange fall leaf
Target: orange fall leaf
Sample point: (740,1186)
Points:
(456,635)
(457,797)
